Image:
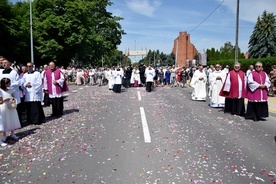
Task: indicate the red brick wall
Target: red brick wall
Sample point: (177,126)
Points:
(186,50)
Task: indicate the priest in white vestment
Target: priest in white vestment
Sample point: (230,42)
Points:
(110,78)
(217,79)
(198,82)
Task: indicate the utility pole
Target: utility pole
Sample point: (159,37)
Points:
(135,50)
(154,58)
(31,32)
(237,32)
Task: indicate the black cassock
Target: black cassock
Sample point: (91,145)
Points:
(57,106)
(35,113)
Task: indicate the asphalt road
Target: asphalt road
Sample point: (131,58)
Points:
(143,138)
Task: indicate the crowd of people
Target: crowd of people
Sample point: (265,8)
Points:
(224,88)
(205,81)
(129,76)
(25,90)
(229,89)
(22,91)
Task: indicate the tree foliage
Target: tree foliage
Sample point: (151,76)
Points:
(226,52)
(155,56)
(63,31)
(262,42)
(7,40)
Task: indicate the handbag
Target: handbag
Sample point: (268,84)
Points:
(12,104)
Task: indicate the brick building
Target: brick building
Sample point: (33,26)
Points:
(183,49)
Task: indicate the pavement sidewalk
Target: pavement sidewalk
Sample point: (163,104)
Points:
(272,104)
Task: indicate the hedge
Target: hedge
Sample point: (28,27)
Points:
(245,63)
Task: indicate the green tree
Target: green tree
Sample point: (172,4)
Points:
(75,29)
(116,58)
(170,59)
(212,54)
(63,31)
(226,52)
(20,30)
(262,42)
(7,40)
(163,58)
(228,47)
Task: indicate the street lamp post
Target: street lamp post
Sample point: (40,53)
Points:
(31,34)
(135,50)
(176,52)
(237,32)
(154,64)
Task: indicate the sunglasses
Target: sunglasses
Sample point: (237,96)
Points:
(258,66)
(29,66)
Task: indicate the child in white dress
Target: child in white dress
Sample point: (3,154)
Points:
(2,144)
(10,120)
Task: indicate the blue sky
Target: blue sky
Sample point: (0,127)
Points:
(154,24)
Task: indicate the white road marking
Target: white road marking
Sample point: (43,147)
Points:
(145,126)
(139,95)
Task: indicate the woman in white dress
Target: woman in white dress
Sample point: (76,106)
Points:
(10,120)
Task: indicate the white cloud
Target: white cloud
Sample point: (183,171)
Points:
(144,7)
(250,10)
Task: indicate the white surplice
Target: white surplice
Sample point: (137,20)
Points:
(199,92)
(33,93)
(215,87)
(118,75)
